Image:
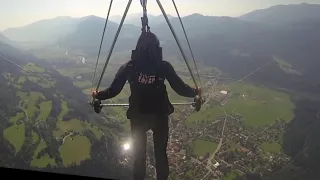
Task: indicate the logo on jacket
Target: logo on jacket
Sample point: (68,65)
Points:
(146,79)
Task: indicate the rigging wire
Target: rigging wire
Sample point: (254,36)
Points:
(102,37)
(185,34)
(246,76)
(177,41)
(20,67)
(143,3)
(113,43)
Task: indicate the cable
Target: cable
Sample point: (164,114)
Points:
(177,41)
(185,34)
(20,67)
(241,79)
(114,42)
(104,30)
(8,60)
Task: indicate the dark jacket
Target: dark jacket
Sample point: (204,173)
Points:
(148,91)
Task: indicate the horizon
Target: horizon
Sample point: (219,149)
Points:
(183,7)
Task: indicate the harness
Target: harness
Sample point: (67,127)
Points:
(148,91)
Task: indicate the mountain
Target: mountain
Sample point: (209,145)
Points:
(6,40)
(300,142)
(279,14)
(221,41)
(218,41)
(43,32)
(42,113)
(88,33)
(49,31)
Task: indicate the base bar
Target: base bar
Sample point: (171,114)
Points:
(175,104)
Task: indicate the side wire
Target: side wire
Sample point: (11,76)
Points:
(20,67)
(114,42)
(102,38)
(185,34)
(177,41)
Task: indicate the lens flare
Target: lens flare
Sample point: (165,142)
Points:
(126,146)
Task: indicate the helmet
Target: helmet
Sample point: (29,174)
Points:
(148,48)
(148,40)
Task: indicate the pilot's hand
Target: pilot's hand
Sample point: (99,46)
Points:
(199,95)
(199,91)
(95,93)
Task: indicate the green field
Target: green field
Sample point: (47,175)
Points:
(75,150)
(207,114)
(45,83)
(17,117)
(44,160)
(35,137)
(231,175)
(233,145)
(75,125)
(64,126)
(21,80)
(40,80)
(72,124)
(201,147)
(82,84)
(33,68)
(15,134)
(64,111)
(271,147)
(258,105)
(31,99)
(45,109)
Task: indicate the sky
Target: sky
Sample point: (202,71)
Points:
(16,13)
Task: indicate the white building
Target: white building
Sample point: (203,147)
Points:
(216,165)
(224,92)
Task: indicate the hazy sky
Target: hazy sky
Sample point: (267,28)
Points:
(15,13)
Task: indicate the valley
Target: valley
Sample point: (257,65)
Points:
(259,120)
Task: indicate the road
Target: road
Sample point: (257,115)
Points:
(70,134)
(209,162)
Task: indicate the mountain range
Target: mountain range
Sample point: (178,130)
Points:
(286,36)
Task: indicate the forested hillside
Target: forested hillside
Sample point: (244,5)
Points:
(47,123)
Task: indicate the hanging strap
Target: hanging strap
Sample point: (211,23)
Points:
(144,19)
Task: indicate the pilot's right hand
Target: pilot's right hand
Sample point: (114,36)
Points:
(199,91)
(199,95)
(95,93)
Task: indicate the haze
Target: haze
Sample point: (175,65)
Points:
(21,12)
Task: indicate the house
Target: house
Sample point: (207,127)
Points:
(224,92)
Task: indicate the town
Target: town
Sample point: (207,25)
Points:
(220,148)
